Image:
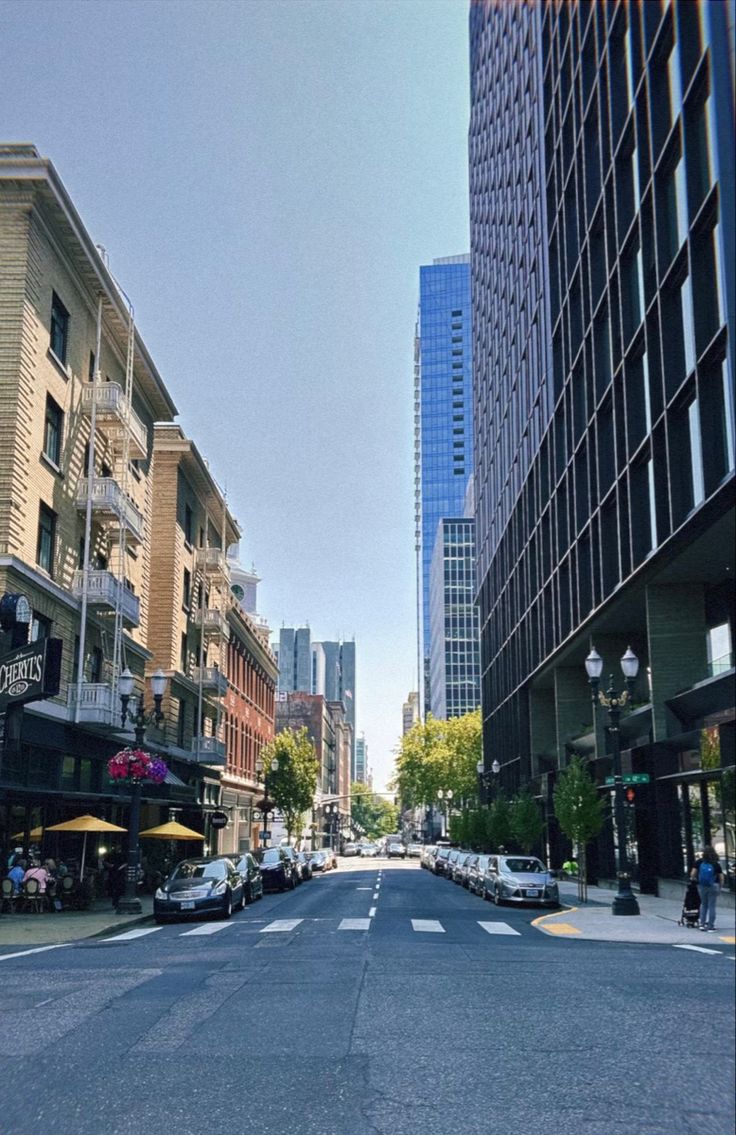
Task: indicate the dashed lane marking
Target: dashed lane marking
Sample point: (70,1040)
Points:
(427,926)
(355,924)
(372,912)
(498,928)
(131,934)
(281,926)
(205,928)
(698,949)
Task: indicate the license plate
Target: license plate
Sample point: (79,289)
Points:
(187,906)
(532,894)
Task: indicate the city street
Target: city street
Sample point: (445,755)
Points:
(375,999)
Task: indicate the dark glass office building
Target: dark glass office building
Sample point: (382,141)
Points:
(454,657)
(443,422)
(602,238)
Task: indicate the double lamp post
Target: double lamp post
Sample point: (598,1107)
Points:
(266,805)
(624,901)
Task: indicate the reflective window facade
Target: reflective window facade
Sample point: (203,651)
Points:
(454,651)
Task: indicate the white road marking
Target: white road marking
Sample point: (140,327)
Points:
(355,924)
(281,925)
(698,949)
(375,895)
(427,926)
(130,934)
(498,928)
(205,928)
(372,912)
(362,888)
(35,950)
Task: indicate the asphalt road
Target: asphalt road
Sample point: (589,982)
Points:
(415,1019)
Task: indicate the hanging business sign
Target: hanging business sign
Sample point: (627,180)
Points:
(30,672)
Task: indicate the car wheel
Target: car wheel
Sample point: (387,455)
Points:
(497,896)
(247,897)
(292,883)
(227,910)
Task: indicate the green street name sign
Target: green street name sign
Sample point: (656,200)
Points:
(631,778)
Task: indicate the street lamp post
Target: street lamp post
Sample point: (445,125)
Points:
(487,778)
(130,903)
(445,798)
(266,804)
(332,812)
(624,901)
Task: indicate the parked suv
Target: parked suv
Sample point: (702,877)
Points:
(278,870)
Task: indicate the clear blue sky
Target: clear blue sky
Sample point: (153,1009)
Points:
(267,177)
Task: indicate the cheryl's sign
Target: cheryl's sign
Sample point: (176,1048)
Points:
(30,672)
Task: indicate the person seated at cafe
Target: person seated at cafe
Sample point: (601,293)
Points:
(50,865)
(17,874)
(40,873)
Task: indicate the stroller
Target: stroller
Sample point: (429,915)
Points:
(690,906)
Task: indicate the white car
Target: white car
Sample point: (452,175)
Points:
(368,850)
(396,850)
(414,850)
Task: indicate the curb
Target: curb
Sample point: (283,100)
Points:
(563,929)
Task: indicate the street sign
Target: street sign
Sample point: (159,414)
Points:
(219,820)
(631,778)
(265,835)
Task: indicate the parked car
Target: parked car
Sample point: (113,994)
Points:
(476,871)
(441,860)
(292,854)
(303,866)
(278,870)
(350,849)
(396,851)
(250,873)
(331,857)
(462,867)
(368,850)
(318,860)
(451,861)
(427,855)
(414,850)
(199,886)
(519,878)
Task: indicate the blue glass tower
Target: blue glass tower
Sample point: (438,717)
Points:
(443,405)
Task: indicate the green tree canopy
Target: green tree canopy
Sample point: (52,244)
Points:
(527,824)
(436,755)
(579,810)
(292,785)
(372,813)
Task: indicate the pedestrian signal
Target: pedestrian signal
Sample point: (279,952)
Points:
(630,795)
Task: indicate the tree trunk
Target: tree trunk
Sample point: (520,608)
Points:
(582,874)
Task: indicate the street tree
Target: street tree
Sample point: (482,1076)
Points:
(372,813)
(499,822)
(579,810)
(436,755)
(292,785)
(527,824)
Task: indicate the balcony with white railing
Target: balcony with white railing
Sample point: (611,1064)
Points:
(213,562)
(109,500)
(104,590)
(208,750)
(116,415)
(212,621)
(213,681)
(96,704)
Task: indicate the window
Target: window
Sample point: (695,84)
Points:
(688,330)
(457,418)
(46,538)
(720,657)
(40,627)
(59,328)
(188,523)
(183,654)
(187,589)
(53,431)
(696,452)
(455,314)
(91,367)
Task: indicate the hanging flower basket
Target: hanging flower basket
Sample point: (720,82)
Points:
(137,765)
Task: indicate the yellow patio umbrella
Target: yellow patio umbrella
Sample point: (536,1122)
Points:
(172,830)
(85,824)
(34,833)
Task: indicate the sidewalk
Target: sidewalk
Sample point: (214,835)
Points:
(657,923)
(25,930)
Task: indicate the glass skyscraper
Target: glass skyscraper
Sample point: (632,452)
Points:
(443,433)
(454,662)
(602,237)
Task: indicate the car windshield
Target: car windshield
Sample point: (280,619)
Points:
(523,866)
(215,870)
(271,855)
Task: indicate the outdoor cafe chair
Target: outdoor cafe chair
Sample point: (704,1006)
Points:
(8,897)
(34,900)
(65,890)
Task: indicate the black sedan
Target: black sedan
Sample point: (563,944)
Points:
(199,886)
(278,870)
(250,873)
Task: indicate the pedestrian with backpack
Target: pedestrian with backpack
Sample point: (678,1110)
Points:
(708,874)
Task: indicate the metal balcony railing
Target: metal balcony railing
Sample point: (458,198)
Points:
(212,621)
(213,680)
(108,499)
(115,415)
(104,590)
(96,704)
(208,750)
(213,562)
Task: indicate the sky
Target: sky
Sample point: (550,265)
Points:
(267,177)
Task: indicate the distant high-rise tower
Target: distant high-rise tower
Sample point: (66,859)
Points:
(335,671)
(454,651)
(410,712)
(443,432)
(295,660)
(360,768)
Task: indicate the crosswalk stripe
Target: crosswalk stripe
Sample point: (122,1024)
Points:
(205,928)
(498,928)
(427,926)
(281,925)
(698,949)
(130,934)
(355,924)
